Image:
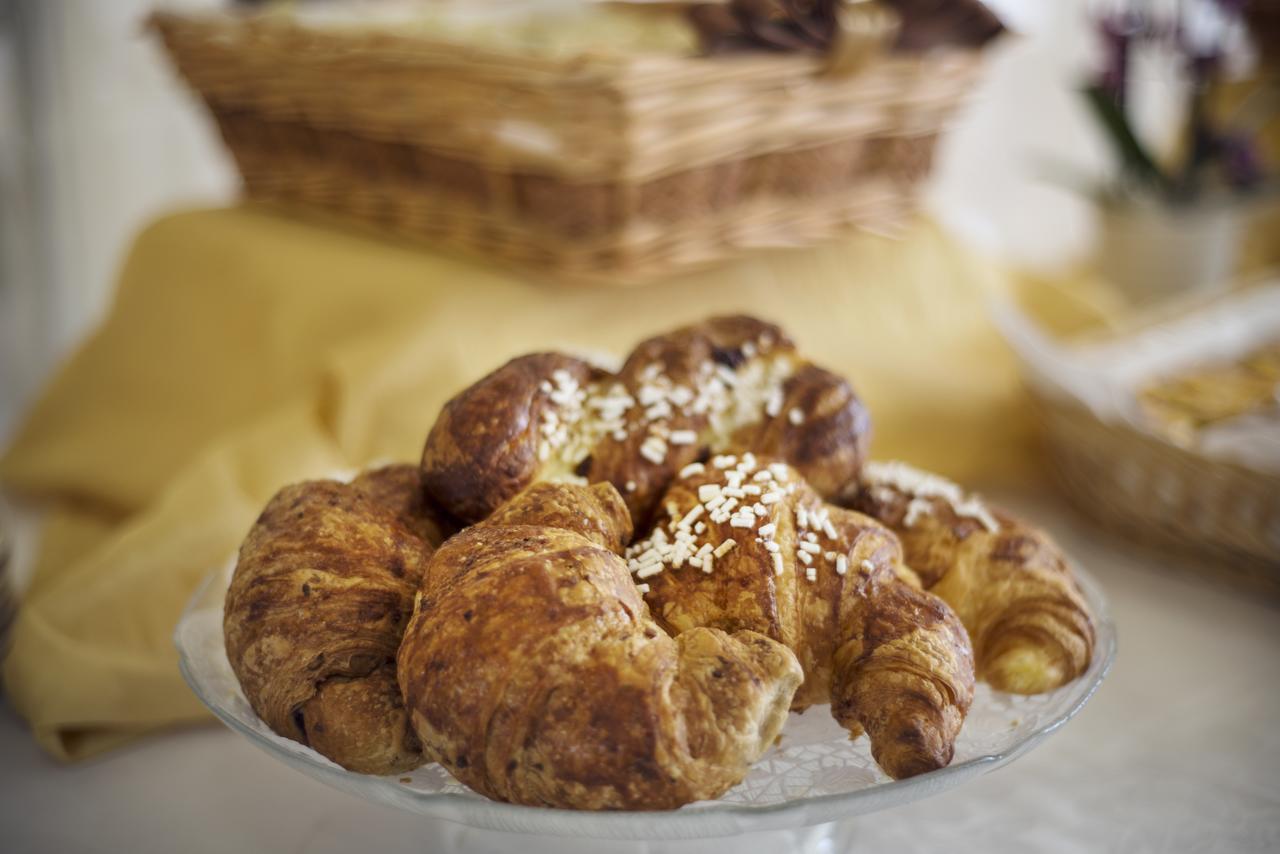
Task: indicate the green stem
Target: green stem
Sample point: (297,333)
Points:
(1134,157)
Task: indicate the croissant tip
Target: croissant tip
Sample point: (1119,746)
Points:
(916,765)
(915,748)
(1025,670)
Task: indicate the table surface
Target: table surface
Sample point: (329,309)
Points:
(1178,751)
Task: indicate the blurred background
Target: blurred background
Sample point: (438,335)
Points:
(100,137)
(243,244)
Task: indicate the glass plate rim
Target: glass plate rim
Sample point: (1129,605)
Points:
(708,819)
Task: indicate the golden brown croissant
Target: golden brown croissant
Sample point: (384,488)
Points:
(747,544)
(533,671)
(728,380)
(398,487)
(321,593)
(1010,584)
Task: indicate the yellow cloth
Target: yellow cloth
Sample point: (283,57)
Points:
(246,350)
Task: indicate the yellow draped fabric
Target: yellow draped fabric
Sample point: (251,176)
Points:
(245,350)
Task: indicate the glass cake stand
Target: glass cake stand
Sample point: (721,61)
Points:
(793,799)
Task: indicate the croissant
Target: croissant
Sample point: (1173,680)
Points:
(318,602)
(748,545)
(1011,585)
(678,397)
(398,488)
(533,672)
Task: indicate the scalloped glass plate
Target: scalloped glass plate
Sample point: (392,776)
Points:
(815,775)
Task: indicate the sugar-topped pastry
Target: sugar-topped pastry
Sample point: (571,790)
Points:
(726,383)
(747,544)
(1009,582)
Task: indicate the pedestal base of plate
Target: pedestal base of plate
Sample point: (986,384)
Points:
(833,838)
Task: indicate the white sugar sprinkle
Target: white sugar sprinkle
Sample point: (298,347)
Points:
(648,570)
(773,403)
(842,565)
(655,454)
(922,487)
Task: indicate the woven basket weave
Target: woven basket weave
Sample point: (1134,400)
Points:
(625,167)
(1171,496)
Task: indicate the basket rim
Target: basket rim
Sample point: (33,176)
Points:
(585,68)
(1057,407)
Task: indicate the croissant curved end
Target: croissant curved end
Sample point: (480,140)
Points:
(1025,670)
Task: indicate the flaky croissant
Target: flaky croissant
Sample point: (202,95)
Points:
(728,380)
(747,544)
(1011,585)
(398,488)
(533,672)
(321,593)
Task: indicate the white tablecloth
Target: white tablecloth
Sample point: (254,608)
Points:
(1178,751)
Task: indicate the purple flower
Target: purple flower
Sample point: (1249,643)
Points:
(1241,166)
(1203,67)
(1204,32)
(1232,7)
(1117,32)
(1200,36)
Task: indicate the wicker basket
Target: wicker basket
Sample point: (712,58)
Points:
(625,167)
(1148,488)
